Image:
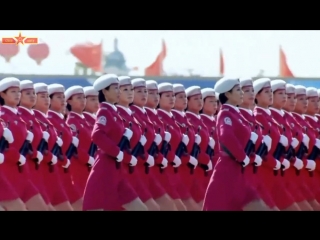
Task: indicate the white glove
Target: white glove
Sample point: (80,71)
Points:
(45,135)
(7,134)
(210,167)
(278,165)
(59,142)
(246,161)
(212,142)
(91,161)
(254,137)
(284,140)
(185,139)
(197,139)
(177,161)
(75,141)
(39,157)
(1,158)
(67,165)
(150,161)
(164,163)
(286,164)
(268,141)
(54,160)
(193,161)
(29,136)
(120,157)
(298,164)
(317,143)
(22,160)
(167,136)
(143,140)
(306,140)
(128,133)
(157,139)
(133,161)
(311,165)
(294,143)
(258,161)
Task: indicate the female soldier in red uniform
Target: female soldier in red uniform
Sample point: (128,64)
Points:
(290,177)
(56,117)
(191,198)
(36,165)
(273,180)
(137,178)
(228,188)
(166,203)
(309,140)
(83,161)
(52,180)
(15,169)
(92,105)
(178,144)
(255,177)
(108,187)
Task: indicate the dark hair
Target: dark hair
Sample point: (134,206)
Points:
(130,104)
(188,98)
(2,102)
(101,96)
(201,111)
(158,106)
(256,100)
(69,107)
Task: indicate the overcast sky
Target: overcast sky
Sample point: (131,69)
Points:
(245,52)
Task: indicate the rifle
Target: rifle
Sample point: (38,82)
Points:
(57,151)
(249,148)
(136,151)
(153,150)
(91,152)
(4,144)
(165,148)
(194,153)
(72,150)
(181,150)
(25,149)
(124,145)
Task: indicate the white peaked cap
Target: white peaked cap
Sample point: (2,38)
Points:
(165,87)
(105,81)
(208,92)
(138,82)
(40,88)
(260,84)
(290,89)
(311,92)
(178,88)
(26,84)
(73,91)
(124,80)
(225,84)
(278,84)
(152,85)
(300,90)
(192,91)
(55,88)
(89,91)
(246,82)
(9,82)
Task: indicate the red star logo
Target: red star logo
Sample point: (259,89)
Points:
(20,39)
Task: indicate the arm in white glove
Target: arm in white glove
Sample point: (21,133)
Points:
(294,143)
(22,160)
(39,157)
(167,136)
(212,142)
(306,140)
(75,141)
(120,157)
(197,139)
(185,139)
(257,161)
(128,133)
(45,135)
(1,158)
(193,161)
(164,163)
(311,165)
(54,160)
(286,164)
(7,134)
(91,161)
(317,143)
(133,161)
(150,161)
(278,165)
(67,164)
(283,140)
(29,136)
(143,140)
(177,161)
(245,161)
(210,167)
(254,137)
(59,142)
(268,141)
(298,164)
(157,139)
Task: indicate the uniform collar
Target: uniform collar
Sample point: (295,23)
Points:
(28,110)
(14,110)
(182,114)
(128,110)
(168,113)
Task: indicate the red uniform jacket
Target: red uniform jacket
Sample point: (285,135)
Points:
(91,118)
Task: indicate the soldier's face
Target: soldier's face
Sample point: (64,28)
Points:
(78,102)
(195,102)
(301,104)
(153,98)
(28,98)
(181,101)
(313,105)
(291,102)
(58,102)
(167,100)
(126,94)
(265,97)
(113,94)
(11,96)
(279,98)
(140,96)
(92,104)
(210,105)
(248,95)
(235,96)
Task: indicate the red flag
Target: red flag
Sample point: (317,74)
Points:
(89,54)
(221,63)
(284,70)
(156,68)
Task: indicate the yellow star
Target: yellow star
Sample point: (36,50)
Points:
(20,39)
